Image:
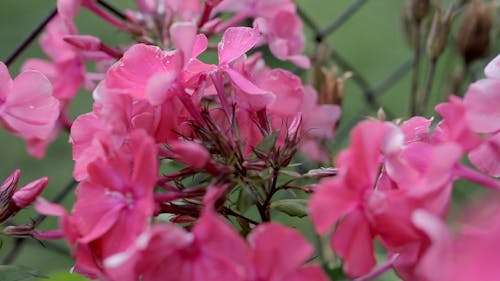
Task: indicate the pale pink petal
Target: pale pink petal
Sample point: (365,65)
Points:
(482,103)
(139,63)
(287,87)
(183,35)
(30,109)
(492,70)
(300,61)
(235,42)
(200,45)
(49,209)
(158,87)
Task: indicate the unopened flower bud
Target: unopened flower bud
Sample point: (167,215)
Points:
(20,231)
(83,42)
(8,187)
(438,34)
(321,173)
(418,9)
(194,155)
(7,190)
(26,195)
(473,37)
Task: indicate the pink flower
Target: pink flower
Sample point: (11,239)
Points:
(277,20)
(215,251)
(285,36)
(113,204)
(472,252)
(279,253)
(27,107)
(141,69)
(66,70)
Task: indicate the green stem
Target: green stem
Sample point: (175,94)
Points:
(416,68)
(428,87)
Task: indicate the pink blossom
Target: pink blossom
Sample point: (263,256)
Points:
(274,259)
(142,70)
(482,103)
(27,107)
(215,251)
(66,69)
(113,204)
(285,37)
(472,252)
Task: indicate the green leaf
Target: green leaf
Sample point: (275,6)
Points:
(67,277)
(268,143)
(291,207)
(245,199)
(19,273)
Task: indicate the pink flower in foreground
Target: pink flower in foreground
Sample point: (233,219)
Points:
(215,251)
(470,254)
(27,107)
(113,204)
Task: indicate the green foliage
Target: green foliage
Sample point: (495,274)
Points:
(291,207)
(19,273)
(66,277)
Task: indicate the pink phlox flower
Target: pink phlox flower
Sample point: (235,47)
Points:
(215,251)
(274,259)
(27,106)
(318,124)
(235,42)
(345,195)
(142,70)
(472,252)
(66,68)
(277,20)
(115,202)
(454,126)
(284,34)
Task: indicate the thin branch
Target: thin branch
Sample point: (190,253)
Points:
(416,67)
(29,39)
(423,104)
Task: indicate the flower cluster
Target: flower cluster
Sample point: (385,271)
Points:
(181,164)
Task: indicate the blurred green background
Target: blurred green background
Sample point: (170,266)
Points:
(371,40)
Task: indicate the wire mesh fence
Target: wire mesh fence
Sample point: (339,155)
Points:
(371,92)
